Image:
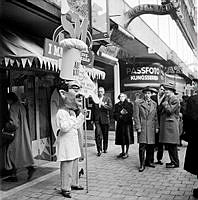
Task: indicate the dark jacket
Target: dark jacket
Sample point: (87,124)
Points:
(102,114)
(169,121)
(124,127)
(159,106)
(191,164)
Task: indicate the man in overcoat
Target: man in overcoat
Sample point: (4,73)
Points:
(146,124)
(169,125)
(101,118)
(191,164)
(159,99)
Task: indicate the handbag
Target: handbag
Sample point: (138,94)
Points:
(8,137)
(8,133)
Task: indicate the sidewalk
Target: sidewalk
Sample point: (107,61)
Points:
(111,178)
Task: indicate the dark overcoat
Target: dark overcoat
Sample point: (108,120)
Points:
(19,152)
(191,162)
(102,114)
(145,118)
(124,127)
(169,121)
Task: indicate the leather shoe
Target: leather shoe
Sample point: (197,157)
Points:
(99,154)
(11,179)
(150,165)
(120,155)
(66,194)
(141,169)
(172,166)
(159,162)
(30,173)
(77,187)
(126,155)
(169,163)
(195,193)
(105,151)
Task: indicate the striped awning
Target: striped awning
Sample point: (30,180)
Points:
(19,52)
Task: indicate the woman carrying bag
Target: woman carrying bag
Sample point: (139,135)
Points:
(123,112)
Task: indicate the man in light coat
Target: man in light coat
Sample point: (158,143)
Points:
(67,144)
(146,124)
(169,125)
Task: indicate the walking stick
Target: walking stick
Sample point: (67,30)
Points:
(86,159)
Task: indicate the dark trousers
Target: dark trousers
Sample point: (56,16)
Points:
(173,153)
(101,133)
(148,149)
(160,151)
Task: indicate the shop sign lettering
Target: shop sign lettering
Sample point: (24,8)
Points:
(144,74)
(52,49)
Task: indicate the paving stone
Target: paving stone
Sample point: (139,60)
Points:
(117,179)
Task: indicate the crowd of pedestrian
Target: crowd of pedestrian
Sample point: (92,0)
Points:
(156,117)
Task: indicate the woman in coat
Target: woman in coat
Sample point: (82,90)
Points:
(191,164)
(146,124)
(19,152)
(123,112)
(67,144)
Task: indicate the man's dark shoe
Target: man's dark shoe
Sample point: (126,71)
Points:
(30,172)
(169,163)
(195,193)
(66,194)
(120,155)
(99,154)
(105,151)
(142,168)
(126,155)
(11,179)
(172,166)
(159,162)
(77,187)
(150,165)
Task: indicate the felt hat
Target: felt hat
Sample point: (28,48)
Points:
(169,86)
(148,88)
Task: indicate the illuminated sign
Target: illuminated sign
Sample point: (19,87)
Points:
(144,74)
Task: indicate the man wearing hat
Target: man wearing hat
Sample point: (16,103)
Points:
(169,125)
(159,99)
(146,124)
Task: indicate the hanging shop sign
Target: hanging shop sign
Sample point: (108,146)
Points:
(54,50)
(144,74)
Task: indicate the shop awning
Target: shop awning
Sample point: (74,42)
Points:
(30,62)
(20,52)
(131,46)
(95,73)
